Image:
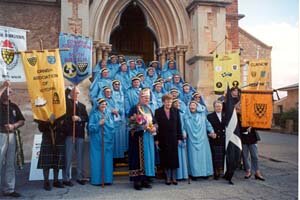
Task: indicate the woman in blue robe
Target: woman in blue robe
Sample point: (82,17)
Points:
(132,94)
(158,93)
(121,135)
(140,65)
(123,76)
(141,144)
(187,93)
(176,82)
(142,78)
(113,66)
(200,100)
(98,84)
(151,77)
(182,171)
(100,65)
(157,67)
(196,126)
(175,93)
(101,124)
(132,68)
(169,70)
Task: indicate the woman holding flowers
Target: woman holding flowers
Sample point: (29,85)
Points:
(141,142)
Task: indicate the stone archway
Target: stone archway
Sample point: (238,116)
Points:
(168,20)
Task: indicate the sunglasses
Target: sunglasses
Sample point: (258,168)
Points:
(117,84)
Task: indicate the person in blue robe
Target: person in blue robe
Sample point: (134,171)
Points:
(141,143)
(175,93)
(176,82)
(157,66)
(132,94)
(151,77)
(187,93)
(99,66)
(121,58)
(98,84)
(182,171)
(140,65)
(142,78)
(199,98)
(158,93)
(100,129)
(169,70)
(113,65)
(197,126)
(123,76)
(133,71)
(121,135)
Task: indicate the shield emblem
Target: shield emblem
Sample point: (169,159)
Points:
(51,59)
(253,74)
(82,67)
(32,60)
(260,109)
(7,55)
(69,70)
(234,67)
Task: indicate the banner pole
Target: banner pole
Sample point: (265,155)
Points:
(74,112)
(102,152)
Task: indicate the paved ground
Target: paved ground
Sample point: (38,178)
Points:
(279,164)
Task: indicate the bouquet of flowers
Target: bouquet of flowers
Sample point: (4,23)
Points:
(137,122)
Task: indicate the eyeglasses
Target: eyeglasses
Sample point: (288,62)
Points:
(116,84)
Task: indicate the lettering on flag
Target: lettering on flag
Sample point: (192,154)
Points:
(77,62)
(11,66)
(45,83)
(259,76)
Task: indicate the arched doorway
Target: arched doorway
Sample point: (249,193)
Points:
(132,37)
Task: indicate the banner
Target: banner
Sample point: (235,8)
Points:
(226,71)
(259,76)
(45,83)
(11,66)
(257,108)
(77,62)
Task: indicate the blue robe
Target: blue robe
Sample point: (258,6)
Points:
(132,72)
(142,68)
(182,171)
(113,68)
(123,77)
(96,88)
(120,133)
(149,80)
(186,97)
(168,73)
(131,98)
(158,97)
(95,131)
(196,126)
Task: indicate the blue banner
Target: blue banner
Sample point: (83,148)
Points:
(77,62)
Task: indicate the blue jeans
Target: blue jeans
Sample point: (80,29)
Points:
(252,148)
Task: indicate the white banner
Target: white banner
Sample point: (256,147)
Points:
(11,66)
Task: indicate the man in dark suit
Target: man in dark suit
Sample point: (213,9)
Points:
(80,118)
(217,143)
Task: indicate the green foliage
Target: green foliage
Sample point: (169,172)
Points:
(292,115)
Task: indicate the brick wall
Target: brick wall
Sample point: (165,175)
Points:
(43,22)
(232,26)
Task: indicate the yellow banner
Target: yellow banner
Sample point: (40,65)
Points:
(257,108)
(259,76)
(226,71)
(45,83)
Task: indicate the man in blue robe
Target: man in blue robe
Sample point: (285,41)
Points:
(132,94)
(175,93)
(142,78)
(123,76)
(120,133)
(141,143)
(99,66)
(98,84)
(101,127)
(140,65)
(187,93)
(169,70)
(197,126)
(156,65)
(132,68)
(176,82)
(158,93)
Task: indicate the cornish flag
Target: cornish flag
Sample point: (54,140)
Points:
(233,142)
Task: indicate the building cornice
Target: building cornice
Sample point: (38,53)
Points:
(214,3)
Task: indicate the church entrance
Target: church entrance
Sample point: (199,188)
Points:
(132,37)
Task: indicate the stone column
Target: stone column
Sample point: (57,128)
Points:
(98,52)
(171,53)
(106,50)
(94,54)
(162,55)
(180,59)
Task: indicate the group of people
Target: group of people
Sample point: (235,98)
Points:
(148,113)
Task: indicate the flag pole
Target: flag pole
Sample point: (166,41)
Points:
(74,112)
(102,148)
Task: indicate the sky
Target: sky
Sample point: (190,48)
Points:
(276,23)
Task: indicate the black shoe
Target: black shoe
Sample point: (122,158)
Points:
(230,182)
(174,182)
(58,184)
(193,178)
(259,178)
(81,182)
(137,186)
(145,184)
(47,186)
(68,183)
(12,194)
(247,177)
(216,177)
